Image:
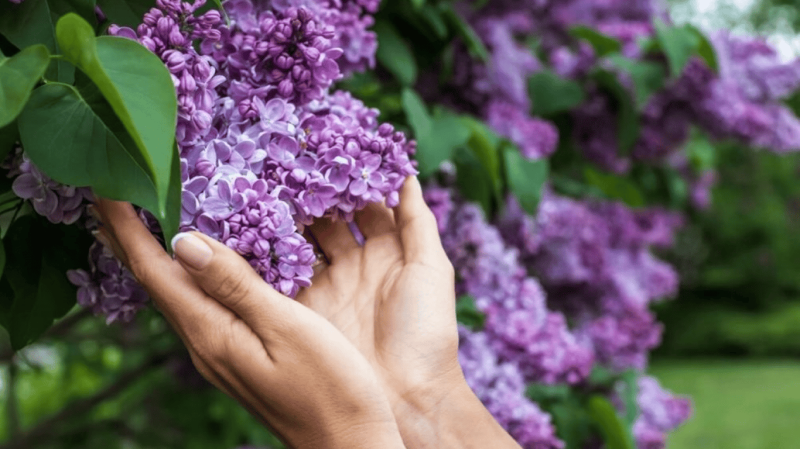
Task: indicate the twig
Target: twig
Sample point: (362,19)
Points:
(64,326)
(45,429)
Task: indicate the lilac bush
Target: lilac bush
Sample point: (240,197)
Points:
(563,283)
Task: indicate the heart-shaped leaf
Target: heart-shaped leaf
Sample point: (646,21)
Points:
(18,76)
(77,140)
(139,89)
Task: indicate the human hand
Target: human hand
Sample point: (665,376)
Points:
(394,298)
(283,362)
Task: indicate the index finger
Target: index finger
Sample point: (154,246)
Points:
(169,285)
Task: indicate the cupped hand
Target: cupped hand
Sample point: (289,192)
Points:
(286,364)
(394,298)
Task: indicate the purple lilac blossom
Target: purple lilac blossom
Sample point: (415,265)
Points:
(501,387)
(660,413)
(57,202)
(594,260)
(518,324)
(108,288)
(265,146)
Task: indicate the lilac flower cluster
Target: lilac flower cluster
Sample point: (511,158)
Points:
(55,201)
(265,146)
(594,261)
(108,288)
(660,413)
(522,341)
(501,387)
(498,90)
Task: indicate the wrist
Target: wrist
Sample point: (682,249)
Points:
(452,418)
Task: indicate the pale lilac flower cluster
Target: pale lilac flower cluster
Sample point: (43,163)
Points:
(660,413)
(108,288)
(744,102)
(501,387)
(57,202)
(264,144)
(518,323)
(594,260)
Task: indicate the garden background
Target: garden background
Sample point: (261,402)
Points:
(731,329)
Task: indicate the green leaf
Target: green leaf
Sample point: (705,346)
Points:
(467,313)
(434,17)
(473,181)
(648,77)
(32,22)
(127,13)
(18,76)
(394,54)
(544,394)
(701,153)
(615,187)
(602,44)
(678,44)
(605,417)
(474,44)
(705,49)
(417,4)
(139,89)
(39,254)
(526,178)
(485,144)
(551,94)
(416,113)
(437,136)
(572,422)
(9,136)
(84,8)
(628,126)
(79,141)
(629,395)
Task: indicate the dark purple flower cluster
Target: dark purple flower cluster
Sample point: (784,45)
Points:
(57,202)
(108,288)
(594,261)
(497,90)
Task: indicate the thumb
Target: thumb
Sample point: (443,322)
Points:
(227,277)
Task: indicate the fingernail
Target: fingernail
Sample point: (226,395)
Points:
(191,250)
(100,237)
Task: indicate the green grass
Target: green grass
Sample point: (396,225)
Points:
(737,404)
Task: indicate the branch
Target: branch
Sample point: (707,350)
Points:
(62,327)
(81,407)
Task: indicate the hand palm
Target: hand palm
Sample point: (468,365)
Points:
(393,297)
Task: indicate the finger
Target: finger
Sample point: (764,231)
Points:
(227,277)
(416,223)
(135,240)
(333,237)
(185,306)
(374,220)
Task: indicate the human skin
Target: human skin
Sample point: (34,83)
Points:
(394,298)
(286,364)
(391,302)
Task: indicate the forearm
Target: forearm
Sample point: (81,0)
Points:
(459,420)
